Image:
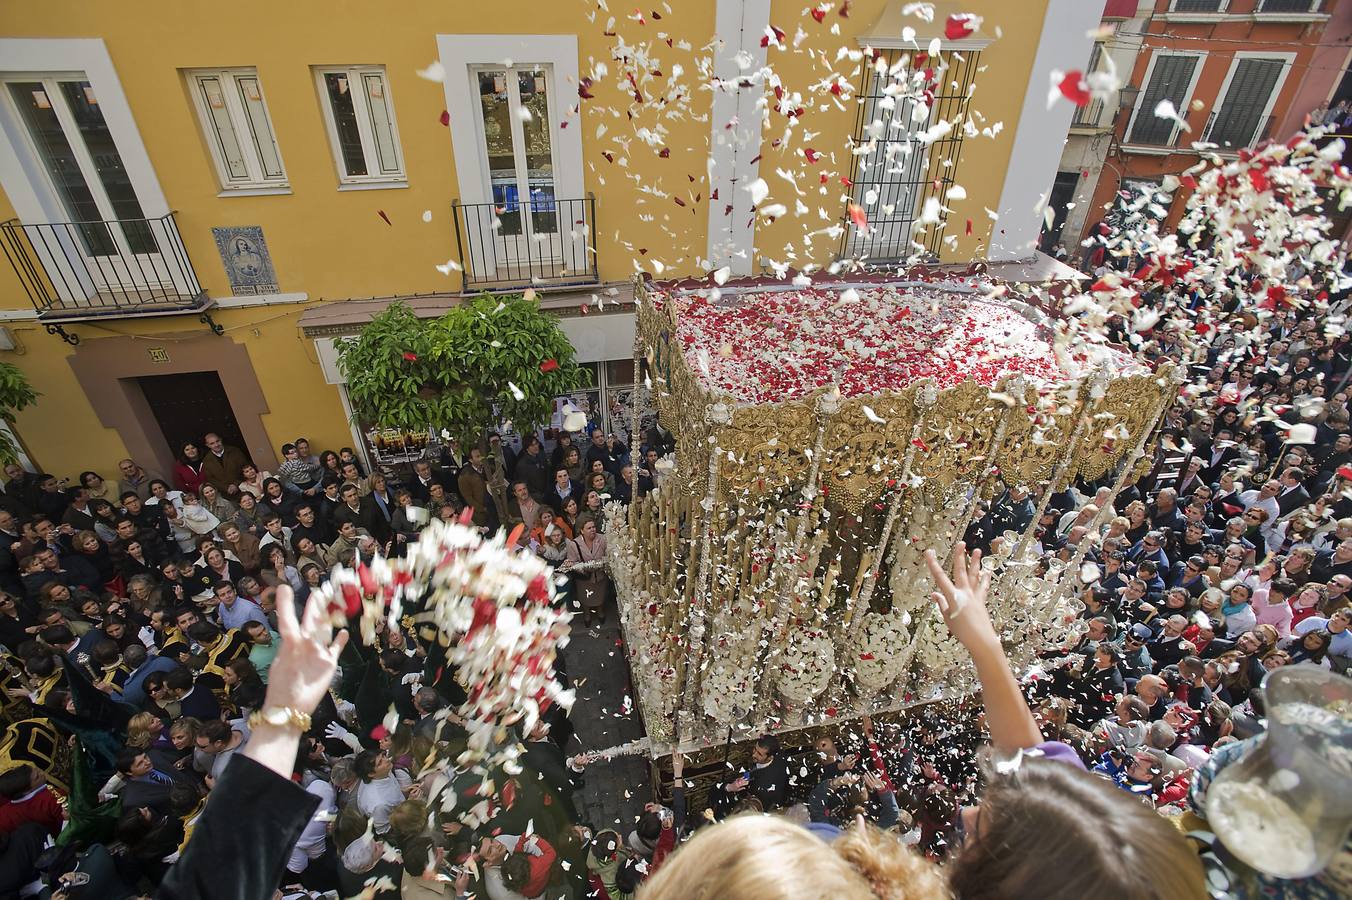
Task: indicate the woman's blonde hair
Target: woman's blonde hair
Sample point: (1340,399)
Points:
(138,729)
(754,857)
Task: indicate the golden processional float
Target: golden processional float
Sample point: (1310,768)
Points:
(826,437)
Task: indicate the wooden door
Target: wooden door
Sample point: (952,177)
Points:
(188,405)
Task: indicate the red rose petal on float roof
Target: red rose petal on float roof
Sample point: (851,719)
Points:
(549,365)
(958,26)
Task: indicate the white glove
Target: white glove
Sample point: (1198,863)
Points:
(411,678)
(339,733)
(347,711)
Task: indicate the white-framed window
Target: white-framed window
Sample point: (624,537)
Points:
(360,118)
(1288,6)
(1199,6)
(1172,76)
(1241,115)
(237,127)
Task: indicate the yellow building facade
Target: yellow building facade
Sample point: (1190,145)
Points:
(207,198)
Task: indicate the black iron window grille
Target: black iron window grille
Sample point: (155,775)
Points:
(910,158)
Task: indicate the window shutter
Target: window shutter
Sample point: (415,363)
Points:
(1287,6)
(1169,80)
(1201,6)
(1241,112)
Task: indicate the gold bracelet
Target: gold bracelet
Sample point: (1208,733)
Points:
(280,717)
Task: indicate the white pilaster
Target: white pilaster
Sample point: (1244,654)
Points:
(1041,134)
(735,133)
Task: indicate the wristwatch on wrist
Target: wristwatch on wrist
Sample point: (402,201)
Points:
(280,717)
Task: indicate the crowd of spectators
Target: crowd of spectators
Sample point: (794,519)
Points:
(140,614)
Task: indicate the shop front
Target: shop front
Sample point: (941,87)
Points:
(603,342)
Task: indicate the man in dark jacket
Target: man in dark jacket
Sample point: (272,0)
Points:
(767,780)
(145,787)
(362,512)
(533,468)
(223,465)
(1012,511)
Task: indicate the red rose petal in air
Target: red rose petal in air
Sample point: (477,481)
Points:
(1258,178)
(812,155)
(584,89)
(969,227)
(445,118)
(665,153)
(958,26)
(381,213)
(549,365)
(351,599)
(1074,89)
(819,14)
(410,356)
(858,216)
(919,443)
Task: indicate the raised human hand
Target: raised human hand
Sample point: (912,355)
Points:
(962,598)
(308,656)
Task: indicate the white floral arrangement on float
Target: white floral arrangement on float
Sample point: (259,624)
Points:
(729,692)
(880,656)
(493,605)
(938,655)
(805,666)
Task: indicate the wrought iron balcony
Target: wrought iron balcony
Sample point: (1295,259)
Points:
(541,242)
(101,269)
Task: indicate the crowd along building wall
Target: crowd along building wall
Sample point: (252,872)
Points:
(1233,70)
(260,173)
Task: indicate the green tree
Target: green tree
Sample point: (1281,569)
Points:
(450,373)
(16,394)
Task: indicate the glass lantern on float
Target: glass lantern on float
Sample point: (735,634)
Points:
(1285,807)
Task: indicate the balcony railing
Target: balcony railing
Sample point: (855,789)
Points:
(543,242)
(87,270)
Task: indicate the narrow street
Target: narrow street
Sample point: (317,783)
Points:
(605,715)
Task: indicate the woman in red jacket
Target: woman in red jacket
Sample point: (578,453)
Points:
(188,470)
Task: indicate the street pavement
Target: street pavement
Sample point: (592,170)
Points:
(605,715)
